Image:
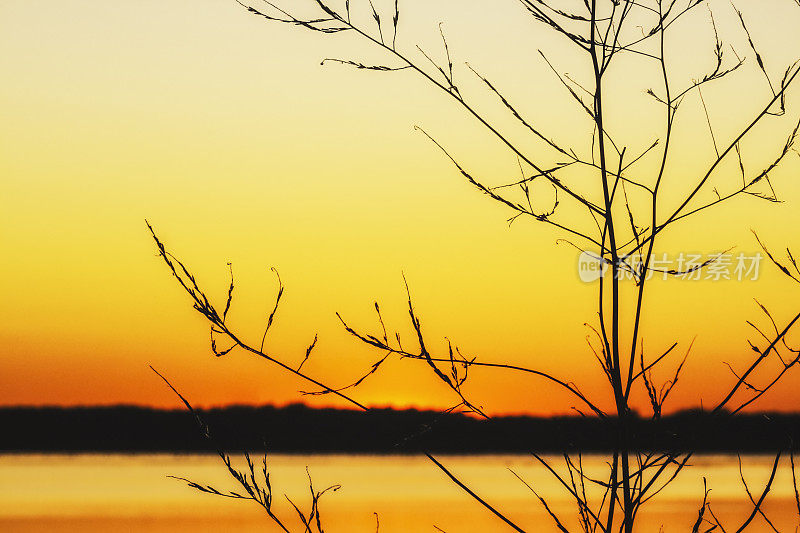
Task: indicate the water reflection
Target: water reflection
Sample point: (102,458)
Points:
(90,493)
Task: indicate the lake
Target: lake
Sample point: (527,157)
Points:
(118,492)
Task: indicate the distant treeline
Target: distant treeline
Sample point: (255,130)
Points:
(300,429)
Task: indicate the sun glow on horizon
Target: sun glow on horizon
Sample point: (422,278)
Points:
(227,135)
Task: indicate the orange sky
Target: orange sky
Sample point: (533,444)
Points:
(227,134)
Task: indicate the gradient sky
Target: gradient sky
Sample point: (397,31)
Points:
(226,134)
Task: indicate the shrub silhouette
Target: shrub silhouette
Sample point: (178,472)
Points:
(629,203)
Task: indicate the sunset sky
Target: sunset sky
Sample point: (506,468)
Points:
(226,133)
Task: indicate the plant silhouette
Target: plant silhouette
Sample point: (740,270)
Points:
(629,203)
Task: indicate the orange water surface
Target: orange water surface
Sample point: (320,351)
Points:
(116,492)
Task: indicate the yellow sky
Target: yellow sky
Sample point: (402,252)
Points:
(226,133)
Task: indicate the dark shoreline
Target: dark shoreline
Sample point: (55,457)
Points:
(297,429)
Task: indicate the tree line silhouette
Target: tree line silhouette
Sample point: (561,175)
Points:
(301,429)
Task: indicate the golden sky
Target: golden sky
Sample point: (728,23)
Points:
(226,134)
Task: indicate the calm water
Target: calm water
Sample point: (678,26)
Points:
(111,493)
